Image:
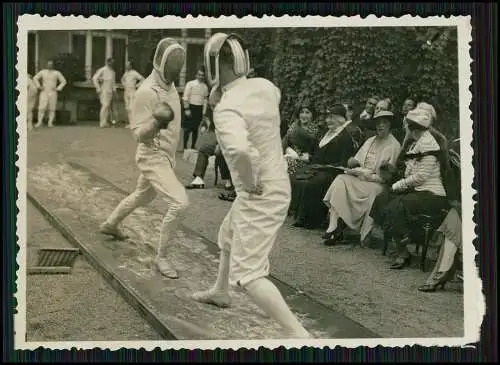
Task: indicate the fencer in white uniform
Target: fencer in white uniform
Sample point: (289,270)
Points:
(247,122)
(105,85)
(156,125)
(50,82)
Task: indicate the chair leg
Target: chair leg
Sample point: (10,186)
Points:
(386,243)
(425,246)
(216,171)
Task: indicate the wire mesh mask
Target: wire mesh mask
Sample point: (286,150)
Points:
(169,59)
(211,56)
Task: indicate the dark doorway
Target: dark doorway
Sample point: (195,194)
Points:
(31,54)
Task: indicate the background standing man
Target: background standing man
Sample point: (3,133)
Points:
(50,82)
(105,85)
(131,80)
(195,99)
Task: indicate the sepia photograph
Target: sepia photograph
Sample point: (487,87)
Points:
(291,180)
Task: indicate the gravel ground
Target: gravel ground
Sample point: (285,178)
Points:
(352,280)
(79,306)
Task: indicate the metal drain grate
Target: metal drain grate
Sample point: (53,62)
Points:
(55,261)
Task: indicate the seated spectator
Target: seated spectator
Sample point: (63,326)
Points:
(206,147)
(300,139)
(399,130)
(225,174)
(419,191)
(351,195)
(450,255)
(309,184)
(363,119)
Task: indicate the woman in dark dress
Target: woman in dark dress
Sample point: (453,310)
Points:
(310,183)
(301,139)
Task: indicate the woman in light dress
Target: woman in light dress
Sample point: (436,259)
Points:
(351,195)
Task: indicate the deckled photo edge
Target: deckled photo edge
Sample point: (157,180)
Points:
(474,303)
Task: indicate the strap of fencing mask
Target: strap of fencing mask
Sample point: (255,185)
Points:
(169,58)
(211,56)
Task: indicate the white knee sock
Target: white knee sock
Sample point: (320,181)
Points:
(265,294)
(169,224)
(41,114)
(52,116)
(222,283)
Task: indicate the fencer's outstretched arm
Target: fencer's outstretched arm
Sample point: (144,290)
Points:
(143,125)
(232,134)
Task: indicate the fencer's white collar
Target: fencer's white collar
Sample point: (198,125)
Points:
(233,84)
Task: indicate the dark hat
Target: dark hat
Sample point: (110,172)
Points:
(337,109)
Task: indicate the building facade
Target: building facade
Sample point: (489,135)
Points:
(91,48)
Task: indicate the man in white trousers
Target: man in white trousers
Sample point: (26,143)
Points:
(50,82)
(130,80)
(156,125)
(247,122)
(105,85)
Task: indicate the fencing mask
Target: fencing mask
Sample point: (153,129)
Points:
(211,56)
(169,59)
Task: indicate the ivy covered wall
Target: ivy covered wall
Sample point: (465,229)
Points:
(327,65)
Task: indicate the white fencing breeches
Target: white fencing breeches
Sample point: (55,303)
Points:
(157,176)
(249,231)
(128,96)
(106,99)
(47,102)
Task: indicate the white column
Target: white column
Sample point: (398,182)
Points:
(70,42)
(109,47)
(126,49)
(37,52)
(182,76)
(208,33)
(88,56)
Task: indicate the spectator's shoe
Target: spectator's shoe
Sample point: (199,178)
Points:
(50,125)
(332,238)
(221,300)
(197,183)
(38,125)
(229,197)
(127,126)
(165,268)
(112,231)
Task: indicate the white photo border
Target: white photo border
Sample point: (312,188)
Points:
(474,301)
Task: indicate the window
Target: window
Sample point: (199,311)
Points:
(119,55)
(196,32)
(78,50)
(98,52)
(194,59)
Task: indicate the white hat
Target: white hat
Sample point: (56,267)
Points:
(420,117)
(428,108)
